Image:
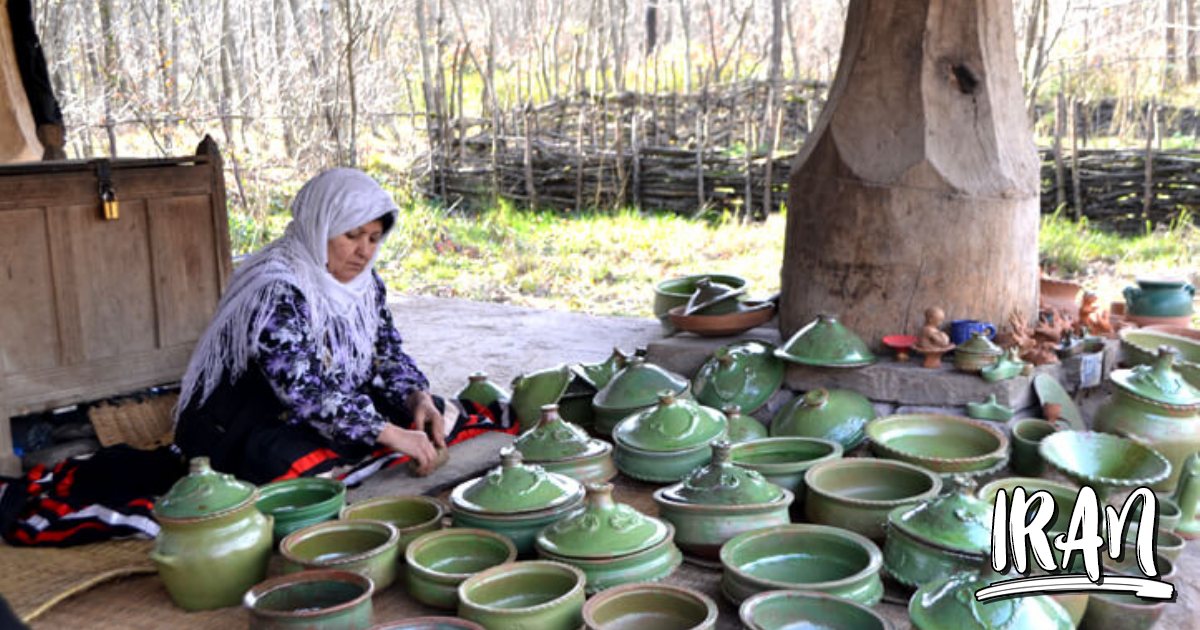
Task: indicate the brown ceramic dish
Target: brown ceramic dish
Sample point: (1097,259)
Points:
(755,314)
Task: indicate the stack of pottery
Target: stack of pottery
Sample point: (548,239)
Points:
(666,442)
(945,535)
(949,602)
(745,374)
(825,342)
(674,292)
(515,499)
(1155,406)
(575,406)
(719,501)
(1160,301)
(532,390)
(214,544)
(840,415)
(561,447)
(634,388)
(976,354)
(612,543)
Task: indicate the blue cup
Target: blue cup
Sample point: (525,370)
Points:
(962,329)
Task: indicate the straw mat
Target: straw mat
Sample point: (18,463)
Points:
(144,423)
(35,579)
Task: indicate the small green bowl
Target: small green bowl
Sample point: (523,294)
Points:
(535,594)
(439,561)
(366,547)
(645,606)
(298,503)
(784,460)
(328,599)
(858,493)
(412,515)
(783,610)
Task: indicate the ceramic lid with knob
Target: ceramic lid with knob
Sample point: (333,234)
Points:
(722,482)
(825,342)
(555,439)
(515,487)
(638,385)
(1158,382)
(745,374)
(483,391)
(603,528)
(950,604)
(840,415)
(981,345)
(671,425)
(958,520)
(204,492)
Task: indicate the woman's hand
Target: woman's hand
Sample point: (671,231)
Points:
(424,412)
(415,444)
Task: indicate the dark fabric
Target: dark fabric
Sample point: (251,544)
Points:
(32,64)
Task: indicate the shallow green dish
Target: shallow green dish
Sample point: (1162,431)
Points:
(789,610)
(438,562)
(298,503)
(327,599)
(939,443)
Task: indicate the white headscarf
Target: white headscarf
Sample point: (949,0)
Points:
(345,316)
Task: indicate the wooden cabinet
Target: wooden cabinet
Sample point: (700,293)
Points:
(91,307)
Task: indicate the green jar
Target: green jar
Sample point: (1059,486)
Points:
(1160,298)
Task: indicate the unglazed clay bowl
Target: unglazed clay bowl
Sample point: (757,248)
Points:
(412,515)
(802,557)
(429,623)
(943,444)
(328,599)
(789,610)
(367,547)
(645,606)
(751,315)
(298,503)
(439,561)
(1100,459)
(537,594)
(858,493)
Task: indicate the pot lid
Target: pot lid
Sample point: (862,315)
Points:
(480,390)
(553,438)
(958,521)
(599,374)
(742,428)
(745,374)
(515,487)
(840,415)
(722,482)
(603,528)
(980,344)
(673,424)
(1158,382)
(638,385)
(532,390)
(950,603)
(203,492)
(825,342)
(713,298)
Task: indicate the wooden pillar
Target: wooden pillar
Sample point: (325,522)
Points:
(919,185)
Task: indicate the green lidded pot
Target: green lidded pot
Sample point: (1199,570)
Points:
(612,543)
(949,603)
(719,501)
(328,599)
(1154,405)
(214,543)
(482,391)
(298,503)
(1164,297)
(632,389)
(743,428)
(664,443)
(840,415)
(745,374)
(599,374)
(561,447)
(942,536)
(532,390)
(977,353)
(825,342)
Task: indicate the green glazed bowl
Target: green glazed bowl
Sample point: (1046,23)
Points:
(661,466)
(412,515)
(1100,459)
(677,291)
(438,562)
(298,503)
(326,599)
(949,603)
(942,444)
(802,557)
(429,623)
(745,374)
(650,606)
(367,547)
(858,493)
(537,594)
(840,415)
(788,610)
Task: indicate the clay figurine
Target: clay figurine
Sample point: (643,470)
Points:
(1092,319)
(932,342)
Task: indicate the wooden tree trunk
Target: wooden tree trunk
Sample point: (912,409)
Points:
(919,186)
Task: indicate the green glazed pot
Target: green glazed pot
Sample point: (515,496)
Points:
(521,528)
(437,562)
(713,298)
(743,428)
(1027,435)
(481,391)
(942,444)
(677,291)
(1139,346)
(367,547)
(949,603)
(840,415)
(940,537)
(989,409)
(1154,406)
(429,623)
(1126,612)
(412,515)
(561,447)
(636,387)
(1103,461)
(537,594)
(744,374)
(825,342)
(1062,494)
(858,493)
(977,353)
(784,460)
(326,599)
(817,558)
(663,444)
(214,544)
(532,390)
(1160,298)
(1009,365)
(597,375)
(577,408)
(298,503)
(650,606)
(784,610)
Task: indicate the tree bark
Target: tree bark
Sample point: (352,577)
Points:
(1190,46)
(919,186)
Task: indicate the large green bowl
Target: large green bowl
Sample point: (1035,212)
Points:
(538,594)
(298,503)
(650,606)
(412,515)
(1100,459)
(803,557)
(858,493)
(788,610)
(438,562)
(942,444)
(366,547)
(327,599)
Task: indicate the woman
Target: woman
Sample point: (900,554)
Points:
(301,370)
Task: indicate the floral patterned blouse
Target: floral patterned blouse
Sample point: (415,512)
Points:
(327,399)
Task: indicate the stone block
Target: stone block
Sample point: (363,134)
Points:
(908,384)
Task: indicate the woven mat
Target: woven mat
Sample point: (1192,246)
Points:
(35,579)
(144,423)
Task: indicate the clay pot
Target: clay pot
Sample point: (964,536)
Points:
(214,543)
(940,443)
(537,594)
(481,391)
(803,557)
(743,428)
(532,390)
(825,342)
(411,515)
(744,374)
(840,415)
(326,599)
(298,503)
(949,603)
(1103,461)
(976,354)
(367,547)
(437,562)
(1059,294)
(1127,612)
(1027,436)
(858,493)
(1062,494)
(1160,298)
(677,291)
(747,316)
(1187,497)
(775,610)
(664,443)
(561,447)
(428,623)
(650,606)
(942,536)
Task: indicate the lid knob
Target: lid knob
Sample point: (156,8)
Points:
(666,397)
(199,466)
(816,397)
(731,410)
(510,457)
(720,452)
(599,495)
(477,377)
